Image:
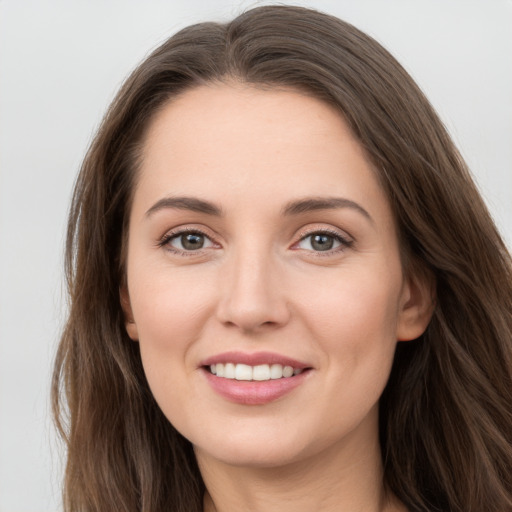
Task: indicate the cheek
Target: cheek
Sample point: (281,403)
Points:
(357,335)
(170,312)
(169,305)
(356,306)
(355,321)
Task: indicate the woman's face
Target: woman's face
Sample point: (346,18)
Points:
(262,247)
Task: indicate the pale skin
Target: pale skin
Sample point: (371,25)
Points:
(294,251)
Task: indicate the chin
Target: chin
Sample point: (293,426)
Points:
(252,456)
(258,448)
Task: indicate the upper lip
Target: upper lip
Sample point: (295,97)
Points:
(254,359)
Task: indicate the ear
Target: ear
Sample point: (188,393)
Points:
(129,322)
(417,305)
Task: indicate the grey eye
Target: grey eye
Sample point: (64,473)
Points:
(320,242)
(190,241)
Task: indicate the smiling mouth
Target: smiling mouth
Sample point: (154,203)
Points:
(259,373)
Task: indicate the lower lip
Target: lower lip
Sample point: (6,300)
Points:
(254,392)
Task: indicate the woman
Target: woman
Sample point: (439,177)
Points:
(286,291)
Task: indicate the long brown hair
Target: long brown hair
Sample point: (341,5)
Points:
(446,413)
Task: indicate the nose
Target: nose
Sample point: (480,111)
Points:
(252,294)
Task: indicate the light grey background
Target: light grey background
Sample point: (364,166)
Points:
(60,65)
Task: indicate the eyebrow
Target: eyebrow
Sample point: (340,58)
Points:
(185,203)
(323,203)
(293,208)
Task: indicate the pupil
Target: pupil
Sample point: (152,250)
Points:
(192,241)
(322,242)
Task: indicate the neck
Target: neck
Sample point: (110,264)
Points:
(345,477)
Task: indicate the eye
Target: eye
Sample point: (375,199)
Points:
(322,241)
(188,241)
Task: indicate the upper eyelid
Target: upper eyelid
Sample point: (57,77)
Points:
(343,242)
(178,230)
(300,234)
(342,234)
(171,234)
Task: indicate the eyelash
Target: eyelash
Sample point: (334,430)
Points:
(345,243)
(164,242)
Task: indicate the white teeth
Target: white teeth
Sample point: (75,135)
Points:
(287,371)
(260,372)
(229,371)
(243,372)
(276,371)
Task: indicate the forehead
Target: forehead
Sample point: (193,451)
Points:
(241,111)
(228,141)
